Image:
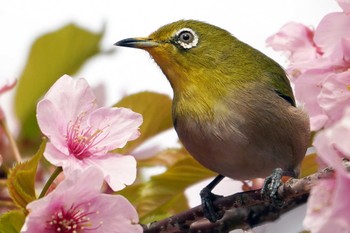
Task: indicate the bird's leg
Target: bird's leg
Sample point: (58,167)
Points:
(207,198)
(272,183)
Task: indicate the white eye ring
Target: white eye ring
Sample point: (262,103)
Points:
(193,38)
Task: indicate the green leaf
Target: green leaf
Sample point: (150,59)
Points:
(21,179)
(166,158)
(12,222)
(156,111)
(163,195)
(60,52)
(176,204)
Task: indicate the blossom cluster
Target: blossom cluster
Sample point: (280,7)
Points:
(81,138)
(320,72)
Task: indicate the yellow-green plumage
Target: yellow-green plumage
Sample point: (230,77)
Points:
(233,107)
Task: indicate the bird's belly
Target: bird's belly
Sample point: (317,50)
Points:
(224,155)
(231,156)
(240,154)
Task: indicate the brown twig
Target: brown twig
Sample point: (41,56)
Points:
(12,142)
(242,210)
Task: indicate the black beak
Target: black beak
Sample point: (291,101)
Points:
(140,43)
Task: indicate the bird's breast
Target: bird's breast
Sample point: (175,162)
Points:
(213,141)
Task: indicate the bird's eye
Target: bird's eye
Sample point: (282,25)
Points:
(186,38)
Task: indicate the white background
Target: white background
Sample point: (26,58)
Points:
(130,70)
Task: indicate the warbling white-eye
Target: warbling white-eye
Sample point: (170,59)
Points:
(233,107)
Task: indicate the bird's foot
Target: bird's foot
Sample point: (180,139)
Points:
(271,185)
(272,182)
(208,198)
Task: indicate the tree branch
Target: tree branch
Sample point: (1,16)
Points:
(242,210)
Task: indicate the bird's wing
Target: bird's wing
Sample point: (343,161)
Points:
(282,87)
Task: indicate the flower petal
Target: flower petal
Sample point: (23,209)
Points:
(119,125)
(307,89)
(116,205)
(318,204)
(55,156)
(335,95)
(72,97)
(332,144)
(68,162)
(119,170)
(325,213)
(330,32)
(91,176)
(52,123)
(297,40)
(345,5)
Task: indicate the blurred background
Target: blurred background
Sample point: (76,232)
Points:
(121,71)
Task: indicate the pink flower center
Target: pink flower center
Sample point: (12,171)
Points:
(73,220)
(83,142)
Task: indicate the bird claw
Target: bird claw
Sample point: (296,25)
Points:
(272,183)
(207,198)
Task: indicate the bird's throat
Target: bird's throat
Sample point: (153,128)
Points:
(194,92)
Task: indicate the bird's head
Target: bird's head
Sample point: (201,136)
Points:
(187,51)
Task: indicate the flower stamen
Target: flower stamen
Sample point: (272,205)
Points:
(72,220)
(82,142)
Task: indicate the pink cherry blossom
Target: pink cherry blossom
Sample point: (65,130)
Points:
(335,95)
(332,35)
(332,144)
(77,206)
(320,63)
(324,94)
(328,206)
(82,135)
(297,40)
(307,89)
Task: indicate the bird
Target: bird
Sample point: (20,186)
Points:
(233,107)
